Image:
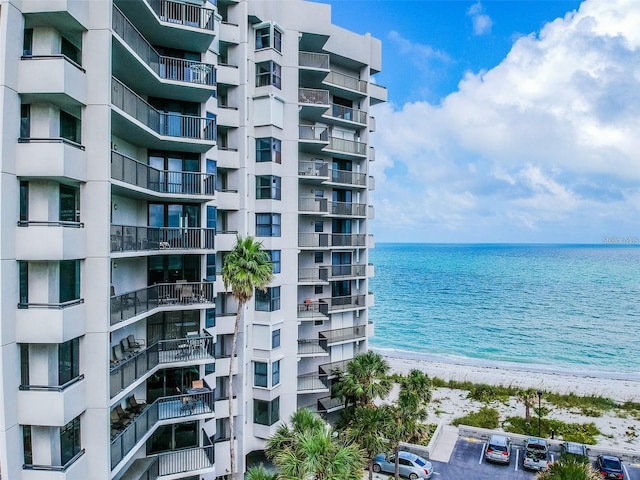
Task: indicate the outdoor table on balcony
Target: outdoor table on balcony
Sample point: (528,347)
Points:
(184,350)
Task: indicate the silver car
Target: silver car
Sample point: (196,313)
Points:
(411,465)
(498,449)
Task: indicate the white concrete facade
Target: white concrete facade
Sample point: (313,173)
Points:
(137,138)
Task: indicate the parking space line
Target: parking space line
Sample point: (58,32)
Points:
(517,453)
(484,446)
(626,472)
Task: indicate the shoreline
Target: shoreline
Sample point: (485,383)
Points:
(620,387)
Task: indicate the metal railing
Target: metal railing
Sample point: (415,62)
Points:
(346,81)
(328,272)
(186,14)
(310,309)
(164,408)
(327,404)
(186,460)
(348,208)
(313,96)
(62,140)
(345,303)
(51,388)
(313,60)
(52,306)
(348,114)
(333,368)
(178,350)
(347,146)
(168,68)
(316,240)
(54,468)
(311,132)
(313,168)
(312,204)
(125,238)
(348,177)
(312,381)
(163,123)
(311,346)
(59,223)
(133,172)
(344,334)
(128,305)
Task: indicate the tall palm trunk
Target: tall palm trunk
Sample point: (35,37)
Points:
(396,471)
(370,468)
(232,433)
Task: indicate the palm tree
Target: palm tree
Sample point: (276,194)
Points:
(364,380)
(366,428)
(569,469)
(527,396)
(247,267)
(306,448)
(260,473)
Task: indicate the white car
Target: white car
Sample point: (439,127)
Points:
(411,465)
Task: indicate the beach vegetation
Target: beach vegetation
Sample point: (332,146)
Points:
(569,469)
(365,379)
(571,432)
(586,405)
(486,417)
(260,473)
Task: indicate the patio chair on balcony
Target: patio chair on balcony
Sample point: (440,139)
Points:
(128,351)
(134,405)
(186,294)
(118,354)
(135,343)
(117,421)
(123,414)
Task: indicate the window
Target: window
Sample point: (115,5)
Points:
(27,42)
(69,127)
(259,374)
(68,361)
(264,38)
(269,300)
(23,273)
(275,338)
(25,121)
(277,39)
(268,224)
(318,290)
(69,280)
(211,267)
(27,446)
(210,318)
(265,412)
(268,73)
(268,187)
(318,257)
(275,373)
(70,51)
(69,204)
(275,260)
(24,364)
(268,149)
(24,201)
(69,440)
(318,226)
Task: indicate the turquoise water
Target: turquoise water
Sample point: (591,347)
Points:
(556,307)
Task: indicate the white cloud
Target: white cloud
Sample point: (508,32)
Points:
(543,147)
(481,22)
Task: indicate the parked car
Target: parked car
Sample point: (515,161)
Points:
(411,465)
(498,449)
(575,450)
(609,467)
(535,457)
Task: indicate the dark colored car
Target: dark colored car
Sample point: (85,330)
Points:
(610,467)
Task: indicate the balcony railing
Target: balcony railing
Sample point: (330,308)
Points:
(311,132)
(333,368)
(164,408)
(54,468)
(163,123)
(346,81)
(310,309)
(312,382)
(348,177)
(185,14)
(312,204)
(168,68)
(345,303)
(328,404)
(314,168)
(329,272)
(347,146)
(186,460)
(178,350)
(312,346)
(348,208)
(313,96)
(126,238)
(52,306)
(344,334)
(128,305)
(133,172)
(313,60)
(318,240)
(349,114)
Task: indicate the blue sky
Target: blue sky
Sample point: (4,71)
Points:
(507,121)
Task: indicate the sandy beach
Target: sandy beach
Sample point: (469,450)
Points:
(618,430)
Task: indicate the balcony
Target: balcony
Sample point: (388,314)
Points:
(49,241)
(344,335)
(372,183)
(372,154)
(61,14)
(313,383)
(371,213)
(330,404)
(161,296)
(131,239)
(135,120)
(312,348)
(314,61)
(346,116)
(143,68)
(184,406)
(312,310)
(229,33)
(346,85)
(54,158)
(332,369)
(75,469)
(162,183)
(313,170)
(52,78)
(313,96)
(378,93)
(200,460)
(328,273)
(228,117)
(347,177)
(351,302)
(312,139)
(194,350)
(64,403)
(324,206)
(190,26)
(331,240)
(347,149)
(228,75)
(50,322)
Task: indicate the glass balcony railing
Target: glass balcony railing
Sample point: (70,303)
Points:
(313,96)
(333,368)
(344,334)
(164,408)
(313,168)
(313,133)
(133,172)
(186,14)
(125,238)
(131,304)
(346,81)
(130,369)
(319,240)
(186,460)
(312,382)
(163,123)
(312,346)
(335,304)
(349,114)
(347,146)
(313,60)
(329,404)
(331,272)
(322,205)
(168,68)
(348,177)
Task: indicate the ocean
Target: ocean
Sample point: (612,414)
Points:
(565,308)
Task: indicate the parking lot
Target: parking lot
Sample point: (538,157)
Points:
(467,463)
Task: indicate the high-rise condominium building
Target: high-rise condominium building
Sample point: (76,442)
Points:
(137,138)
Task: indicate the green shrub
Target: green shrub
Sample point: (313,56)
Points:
(572,432)
(587,404)
(486,417)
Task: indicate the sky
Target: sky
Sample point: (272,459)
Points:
(507,121)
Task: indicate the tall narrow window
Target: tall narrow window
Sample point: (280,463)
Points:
(263,35)
(69,440)
(275,373)
(70,51)
(27,42)
(265,412)
(68,361)
(275,338)
(268,149)
(211,267)
(24,201)
(69,204)
(268,73)
(27,447)
(268,224)
(24,364)
(25,121)
(23,272)
(69,127)
(69,280)
(275,260)
(269,300)
(259,374)
(268,187)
